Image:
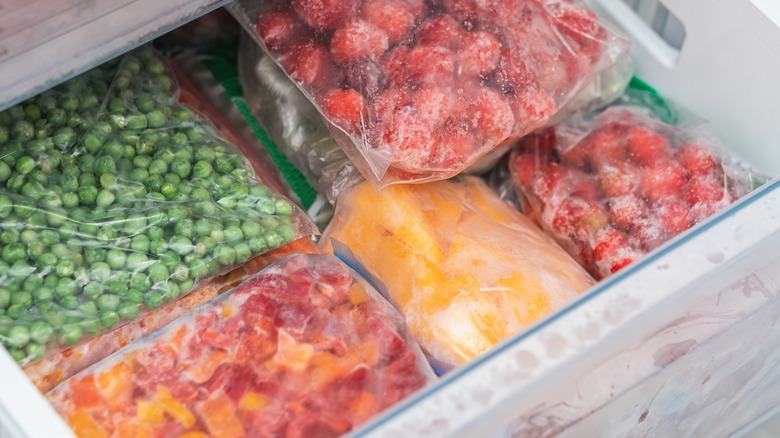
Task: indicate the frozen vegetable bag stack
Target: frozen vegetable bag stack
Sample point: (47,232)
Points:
(416,91)
(305,348)
(116,199)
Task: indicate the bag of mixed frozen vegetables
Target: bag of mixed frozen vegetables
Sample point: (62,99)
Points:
(416,91)
(304,348)
(612,185)
(115,200)
(466,269)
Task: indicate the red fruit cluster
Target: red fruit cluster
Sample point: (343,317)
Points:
(507,67)
(300,350)
(615,189)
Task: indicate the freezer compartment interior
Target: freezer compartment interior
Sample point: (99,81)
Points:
(44,43)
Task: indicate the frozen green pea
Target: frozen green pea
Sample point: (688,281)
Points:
(105,164)
(202,169)
(181,168)
(185,228)
(88,307)
(233,234)
(93,290)
(258,245)
(6,207)
(128,311)
(9,236)
(16,311)
(65,268)
(158,273)
(93,254)
(93,141)
(227,202)
(140,243)
(18,336)
(108,302)
(243,252)
(225,255)
(116,258)
(71,334)
(137,262)
(169,190)
(272,239)
(105,198)
(136,121)
(154,183)
(5,171)
(70,200)
(265,206)
(197,268)
(201,194)
(22,298)
(66,287)
(269,223)
(65,137)
(91,325)
(181,245)
(87,195)
(208,243)
(13,252)
(136,223)
(153,299)
(180,273)
(16,183)
(25,165)
(142,161)
(108,181)
(5,298)
(32,283)
(42,294)
(158,167)
(156,119)
(41,332)
(101,271)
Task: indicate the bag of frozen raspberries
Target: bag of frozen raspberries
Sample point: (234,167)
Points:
(610,186)
(415,91)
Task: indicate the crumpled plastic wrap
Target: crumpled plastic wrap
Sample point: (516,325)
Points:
(304,348)
(415,92)
(117,199)
(466,269)
(611,186)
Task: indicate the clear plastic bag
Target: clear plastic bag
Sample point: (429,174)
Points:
(414,91)
(611,186)
(466,269)
(117,199)
(304,348)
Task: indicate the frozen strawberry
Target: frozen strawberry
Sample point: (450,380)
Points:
(525,168)
(428,64)
(581,26)
(548,180)
(707,191)
(394,64)
(649,233)
(585,188)
(478,54)
(698,160)
(606,148)
(418,8)
(325,14)
(440,30)
(646,146)
(365,75)
(434,104)
(551,72)
(390,102)
(625,211)
(356,39)
(452,150)
(278,28)
(307,62)
(663,179)
(389,15)
(594,220)
(411,140)
(576,155)
(674,215)
(513,72)
(619,179)
(609,243)
(345,108)
(489,117)
(542,143)
(465,11)
(531,108)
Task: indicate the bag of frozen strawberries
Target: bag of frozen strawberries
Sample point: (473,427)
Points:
(304,348)
(611,186)
(416,91)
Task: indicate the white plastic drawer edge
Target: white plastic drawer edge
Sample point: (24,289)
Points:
(24,412)
(726,70)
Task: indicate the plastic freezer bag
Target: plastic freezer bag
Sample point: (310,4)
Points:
(304,348)
(115,199)
(466,269)
(55,368)
(415,91)
(612,186)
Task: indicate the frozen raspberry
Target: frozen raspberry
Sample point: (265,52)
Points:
(649,233)
(607,148)
(434,104)
(609,243)
(428,64)
(531,108)
(365,75)
(440,30)
(697,160)
(707,191)
(356,39)
(278,28)
(646,146)
(625,211)
(325,14)
(345,108)
(389,15)
(307,62)
(618,180)
(513,72)
(394,64)
(489,117)
(478,54)
(525,168)
(663,179)
(674,216)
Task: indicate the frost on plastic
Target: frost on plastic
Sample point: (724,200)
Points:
(613,186)
(115,200)
(466,269)
(415,91)
(304,348)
